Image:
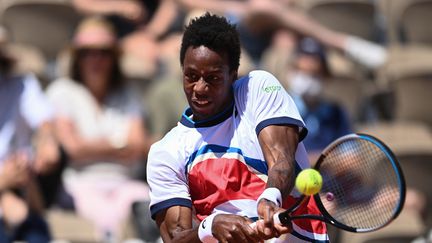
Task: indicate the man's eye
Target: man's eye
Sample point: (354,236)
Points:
(212,78)
(192,77)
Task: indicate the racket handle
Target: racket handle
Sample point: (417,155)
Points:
(276,220)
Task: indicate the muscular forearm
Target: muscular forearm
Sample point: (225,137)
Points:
(281,175)
(221,227)
(175,225)
(182,236)
(279,144)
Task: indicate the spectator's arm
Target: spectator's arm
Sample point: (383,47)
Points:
(47,153)
(14,172)
(128,9)
(164,16)
(365,52)
(215,6)
(85,150)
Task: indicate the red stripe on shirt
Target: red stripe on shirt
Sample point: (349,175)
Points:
(215,181)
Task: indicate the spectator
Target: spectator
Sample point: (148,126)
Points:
(260,19)
(325,120)
(27,149)
(140,25)
(100,124)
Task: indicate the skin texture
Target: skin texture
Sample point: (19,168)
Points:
(207,84)
(279,144)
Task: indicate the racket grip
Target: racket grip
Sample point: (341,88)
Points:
(276,220)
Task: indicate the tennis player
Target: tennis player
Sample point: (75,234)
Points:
(234,154)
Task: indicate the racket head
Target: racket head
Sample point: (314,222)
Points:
(363,185)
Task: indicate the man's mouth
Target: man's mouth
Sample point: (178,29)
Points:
(200,102)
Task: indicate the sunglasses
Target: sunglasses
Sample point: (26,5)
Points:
(95,52)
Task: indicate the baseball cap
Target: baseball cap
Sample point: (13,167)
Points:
(311,47)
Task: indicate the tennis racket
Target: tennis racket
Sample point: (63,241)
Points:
(363,186)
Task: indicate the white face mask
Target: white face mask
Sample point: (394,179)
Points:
(304,84)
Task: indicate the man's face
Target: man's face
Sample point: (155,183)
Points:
(207,81)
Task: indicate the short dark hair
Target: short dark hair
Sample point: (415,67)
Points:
(215,33)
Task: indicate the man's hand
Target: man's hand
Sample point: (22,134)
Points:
(266,228)
(234,228)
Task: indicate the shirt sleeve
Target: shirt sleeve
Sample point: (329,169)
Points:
(167,180)
(35,106)
(267,103)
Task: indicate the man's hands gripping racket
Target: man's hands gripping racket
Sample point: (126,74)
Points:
(363,188)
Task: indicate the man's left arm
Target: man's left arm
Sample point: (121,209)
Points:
(279,145)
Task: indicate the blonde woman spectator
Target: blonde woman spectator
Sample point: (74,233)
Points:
(100,124)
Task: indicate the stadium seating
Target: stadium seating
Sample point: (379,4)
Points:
(67,226)
(406,20)
(403,230)
(356,17)
(402,137)
(45,24)
(348,92)
(408,74)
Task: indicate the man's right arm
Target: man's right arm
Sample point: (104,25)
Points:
(175,225)
(172,207)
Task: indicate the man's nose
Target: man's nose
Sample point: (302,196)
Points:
(200,86)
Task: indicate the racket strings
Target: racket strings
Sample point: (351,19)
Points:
(360,186)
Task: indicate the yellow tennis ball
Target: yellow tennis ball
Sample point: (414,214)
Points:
(308,182)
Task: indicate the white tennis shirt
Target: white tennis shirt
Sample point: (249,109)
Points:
(217,165)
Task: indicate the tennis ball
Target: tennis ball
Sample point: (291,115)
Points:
(308,182)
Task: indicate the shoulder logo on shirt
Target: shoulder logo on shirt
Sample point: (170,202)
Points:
(273,88)
(203,225)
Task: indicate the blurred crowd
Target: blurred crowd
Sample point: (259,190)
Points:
(86,86)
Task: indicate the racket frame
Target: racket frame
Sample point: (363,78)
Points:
(285,217)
